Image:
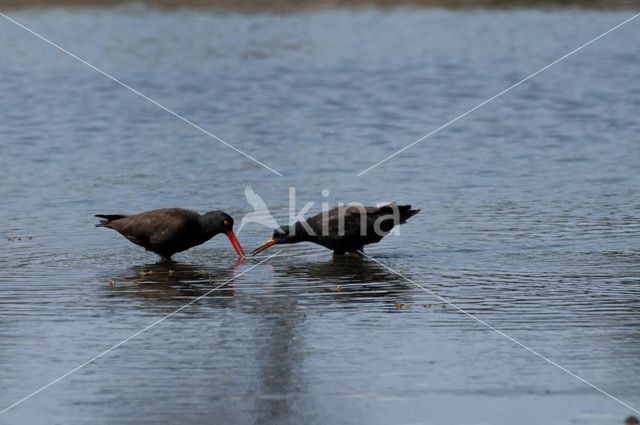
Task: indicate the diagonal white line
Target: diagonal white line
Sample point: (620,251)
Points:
(500,332)
(497,95)
(134,335)
(140,94)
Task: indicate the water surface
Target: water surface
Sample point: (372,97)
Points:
(529,218)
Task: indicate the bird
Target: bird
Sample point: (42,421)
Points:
(343,229)
(260,213)
(169,230)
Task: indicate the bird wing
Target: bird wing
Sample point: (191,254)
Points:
(176,223)
(344,219)
(357,216)
(152,228)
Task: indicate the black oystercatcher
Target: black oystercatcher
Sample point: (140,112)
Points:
(343,229)
(170,230)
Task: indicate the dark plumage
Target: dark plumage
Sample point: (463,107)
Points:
(343,229)
(170,230)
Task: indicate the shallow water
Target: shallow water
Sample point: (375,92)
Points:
(529,217)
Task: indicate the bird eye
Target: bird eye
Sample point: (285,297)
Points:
(225,222)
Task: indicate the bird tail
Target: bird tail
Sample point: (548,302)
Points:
(405,211)
(108,218)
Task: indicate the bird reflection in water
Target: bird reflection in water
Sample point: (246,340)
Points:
(352,277)
(170,280)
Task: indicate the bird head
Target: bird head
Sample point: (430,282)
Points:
(215,222)
(283,234)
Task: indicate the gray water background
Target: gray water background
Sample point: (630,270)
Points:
(530,216)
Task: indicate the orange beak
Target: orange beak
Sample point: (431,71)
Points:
(264,246)
(235,243)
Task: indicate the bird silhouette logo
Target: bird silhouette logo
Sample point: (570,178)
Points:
(260,213)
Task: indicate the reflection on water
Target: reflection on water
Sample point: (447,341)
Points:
(169,280)
(349,277)
(529,216)
(340,269)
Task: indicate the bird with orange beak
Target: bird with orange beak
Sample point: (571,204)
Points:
(343,229)
(170,230)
